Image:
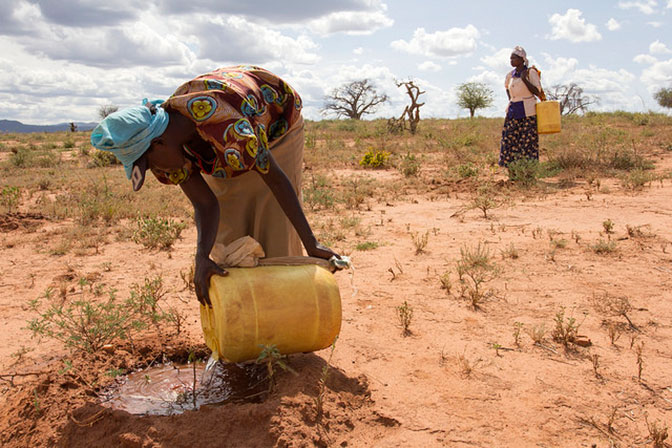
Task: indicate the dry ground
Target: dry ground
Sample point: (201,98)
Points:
(475,368)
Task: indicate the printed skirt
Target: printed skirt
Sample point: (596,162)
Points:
(520,140)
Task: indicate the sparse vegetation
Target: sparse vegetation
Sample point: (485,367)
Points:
(405,315)
(271,357)
(87,325)
(81,213)
(474,269)
(420,241)
(566,329)
(157,233)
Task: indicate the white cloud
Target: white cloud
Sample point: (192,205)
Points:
(573,27)
(499,61)
(429,66)
(657,75)
(226,39)
(613,25)
(350,22)
(557,70)
(267,11)
(658,47)
(655,24)
(644,6)
(645,59)
(669,3)
(451,43)
(358,51)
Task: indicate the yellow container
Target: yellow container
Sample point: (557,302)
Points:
(296,308)
(548,117)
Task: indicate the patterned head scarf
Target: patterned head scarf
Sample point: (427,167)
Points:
(520,51)
(128,133)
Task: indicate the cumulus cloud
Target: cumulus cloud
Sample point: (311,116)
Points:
(500,60)
(613,25)
(645,6)
(658,47)
(350,22)
(645,59)
(18,17)
(451,43)
(429,66)
(358,51)
(134,44)
(289,12)
(573,27)
(657,75)
(90,13)
(226,39)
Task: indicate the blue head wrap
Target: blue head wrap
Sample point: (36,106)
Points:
(128,133)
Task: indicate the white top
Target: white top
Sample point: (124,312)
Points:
(519,91)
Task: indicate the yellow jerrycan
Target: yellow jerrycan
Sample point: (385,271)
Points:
(296,308)
(548,117)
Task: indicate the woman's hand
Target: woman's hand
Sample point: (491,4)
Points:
(320,251)
(205,269)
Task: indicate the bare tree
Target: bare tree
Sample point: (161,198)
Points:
(412,112)
(474,96)
(353,100)
(571,98)
(73,126)
(664,97)
(106,109)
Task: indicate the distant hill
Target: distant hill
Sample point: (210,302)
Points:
(17,126)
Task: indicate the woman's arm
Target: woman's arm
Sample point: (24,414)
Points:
(525,76)
(282,189)
(206,215)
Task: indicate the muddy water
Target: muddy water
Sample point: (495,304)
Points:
(169,388)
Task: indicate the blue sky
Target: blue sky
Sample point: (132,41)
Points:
(62,59)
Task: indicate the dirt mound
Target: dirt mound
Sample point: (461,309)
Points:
(24,221)
(59,405)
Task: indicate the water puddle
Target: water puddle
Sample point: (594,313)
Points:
(169,388)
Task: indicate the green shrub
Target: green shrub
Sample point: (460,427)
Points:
(9,197)
(524,171)
(374,158)
(636,179)
(625,159)
(85,325)
(409,166)
(154,232)
(34,158)
(318,196)
(367,245)
(467,170)
(103,158)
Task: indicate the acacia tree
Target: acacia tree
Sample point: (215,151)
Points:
(474,96)
(353,100)
(571,98)
(664,97)
(412,111)
(106,109)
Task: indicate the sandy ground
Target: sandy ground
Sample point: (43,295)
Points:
(458,379)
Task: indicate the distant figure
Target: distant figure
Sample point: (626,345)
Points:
(73,127)
(520,139)
(206,138)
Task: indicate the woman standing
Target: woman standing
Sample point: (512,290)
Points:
(206,138)
(520,139)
